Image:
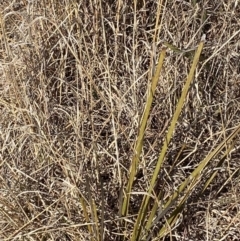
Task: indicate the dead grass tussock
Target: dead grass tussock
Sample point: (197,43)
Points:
(73,84)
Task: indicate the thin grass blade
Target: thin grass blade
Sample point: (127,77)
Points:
(139,142)
(93,211)
(219,165)
(84,206)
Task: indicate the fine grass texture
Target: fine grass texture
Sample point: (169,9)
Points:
(120,120)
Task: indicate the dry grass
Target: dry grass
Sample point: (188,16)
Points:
(73,85)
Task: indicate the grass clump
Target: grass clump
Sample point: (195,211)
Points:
(119,121)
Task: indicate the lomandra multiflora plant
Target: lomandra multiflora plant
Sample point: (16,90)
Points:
(147,219)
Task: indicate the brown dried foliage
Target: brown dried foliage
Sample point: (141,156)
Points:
(73,83)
